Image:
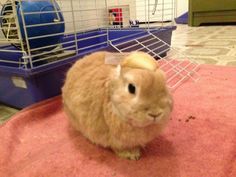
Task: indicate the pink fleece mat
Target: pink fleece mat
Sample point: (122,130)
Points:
(200,140)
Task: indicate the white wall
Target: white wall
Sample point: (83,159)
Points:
(181,7)
(161,10)
(81,14)
(90,14)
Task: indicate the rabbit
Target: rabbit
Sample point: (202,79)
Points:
(122,107)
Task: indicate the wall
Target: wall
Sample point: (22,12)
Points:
(153,10)
(91,14)
(82,15)
(181,7)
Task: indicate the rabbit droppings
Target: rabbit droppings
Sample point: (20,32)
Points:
(120,107)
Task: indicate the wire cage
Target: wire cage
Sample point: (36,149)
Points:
(40,39)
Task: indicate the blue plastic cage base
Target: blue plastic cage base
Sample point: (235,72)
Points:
(22,87)
(183,19)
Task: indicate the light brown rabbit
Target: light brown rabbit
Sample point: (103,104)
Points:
(120,107)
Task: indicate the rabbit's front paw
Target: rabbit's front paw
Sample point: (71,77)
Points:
(132,154)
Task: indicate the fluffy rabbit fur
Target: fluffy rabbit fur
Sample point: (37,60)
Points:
(119,107)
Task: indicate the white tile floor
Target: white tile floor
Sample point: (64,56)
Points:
(207,44)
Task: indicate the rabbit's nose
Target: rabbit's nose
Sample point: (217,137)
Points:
(154,116)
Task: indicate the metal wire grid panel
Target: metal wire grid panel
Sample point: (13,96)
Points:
(88,26)
(177,66)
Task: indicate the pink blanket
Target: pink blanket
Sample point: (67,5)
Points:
(200,140)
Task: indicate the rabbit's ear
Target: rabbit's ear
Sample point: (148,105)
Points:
(114,58)
(140,60)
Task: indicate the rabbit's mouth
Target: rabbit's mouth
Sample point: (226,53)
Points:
(144,123)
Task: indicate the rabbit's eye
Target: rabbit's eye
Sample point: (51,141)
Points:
(131,88)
